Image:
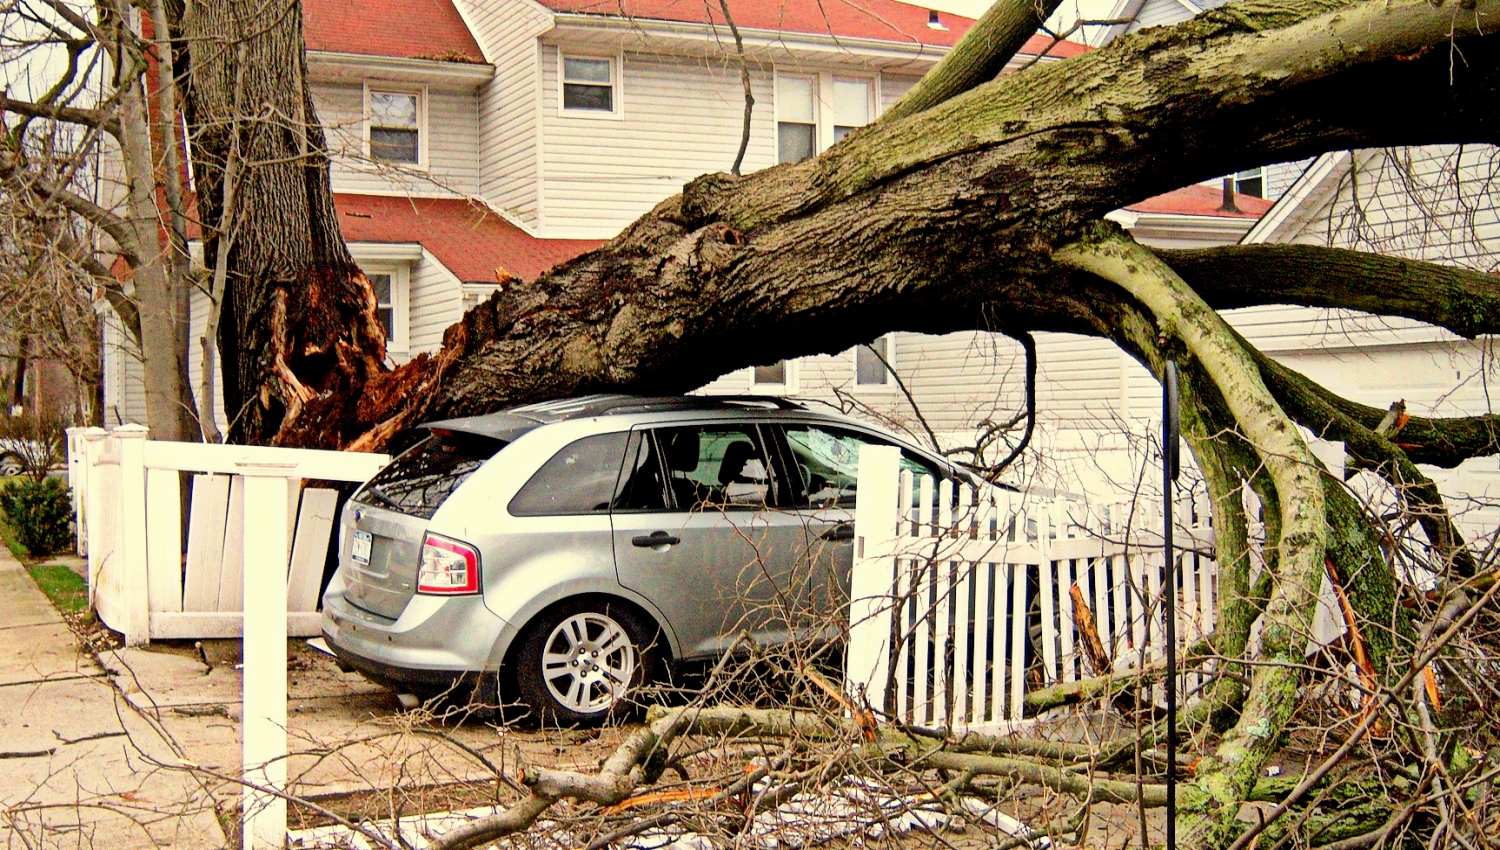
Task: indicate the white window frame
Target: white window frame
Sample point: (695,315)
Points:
(616,76)
(790,386)
(823,107)
(400,341)
(420,91)
(890,373)
(1246,174)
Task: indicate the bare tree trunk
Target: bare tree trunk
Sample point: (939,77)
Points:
(155,294)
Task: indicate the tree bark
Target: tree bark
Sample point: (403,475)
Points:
(298,319)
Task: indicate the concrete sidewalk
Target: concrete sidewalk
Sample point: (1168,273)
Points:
(86,747)
(79,767)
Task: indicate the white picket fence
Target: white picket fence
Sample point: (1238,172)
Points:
(962,599)
(128,506)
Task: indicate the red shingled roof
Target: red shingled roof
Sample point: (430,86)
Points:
(408,29)
(467,237)
(890,20)
(433,29)
(1203,200)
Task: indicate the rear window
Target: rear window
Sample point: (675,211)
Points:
(424,476)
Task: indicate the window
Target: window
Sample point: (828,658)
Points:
(851,106)
(813,111)
(870,364)
(715,467)
(778,377)
(588,84)
(643,483)
(390,284)
(1251,182)
(395,126)
(796,118)
(421,478)
(827,463)
(579,479)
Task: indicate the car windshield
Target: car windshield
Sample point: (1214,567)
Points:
(424,476)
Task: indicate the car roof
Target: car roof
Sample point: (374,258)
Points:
(512,422)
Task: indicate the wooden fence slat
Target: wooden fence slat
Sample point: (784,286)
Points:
(232,574)
(982,630)
(310,548)
(1017,643)
(943,603)
(164,539)
(999,594)
(905,605)
(208,511)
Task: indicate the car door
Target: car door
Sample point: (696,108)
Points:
(697,530)
(822,462)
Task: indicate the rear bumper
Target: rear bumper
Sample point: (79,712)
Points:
(398,678)
(436,640)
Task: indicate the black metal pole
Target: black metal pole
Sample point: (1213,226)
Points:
(1169,454)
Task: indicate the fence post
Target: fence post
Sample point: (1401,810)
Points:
(75,485)
(263,709)
(872,592)
(135,581)
(93,447)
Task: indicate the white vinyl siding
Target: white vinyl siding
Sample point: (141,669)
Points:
(451,142)
(436,302)
(1155,13)
(1434,203)
(124,390)
(681,118)
(510,104)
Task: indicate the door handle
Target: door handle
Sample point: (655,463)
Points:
(655,538)
(842,531)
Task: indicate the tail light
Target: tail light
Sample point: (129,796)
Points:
(447,567)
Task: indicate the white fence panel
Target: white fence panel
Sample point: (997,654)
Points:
(963,600)
(145,580)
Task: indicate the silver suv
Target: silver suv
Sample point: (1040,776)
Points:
(569,552)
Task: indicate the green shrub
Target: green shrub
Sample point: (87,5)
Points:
(41,514)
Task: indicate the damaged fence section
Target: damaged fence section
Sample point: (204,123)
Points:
(965,598)
(133,499)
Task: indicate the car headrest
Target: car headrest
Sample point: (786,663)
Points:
(736,456)
(682,450)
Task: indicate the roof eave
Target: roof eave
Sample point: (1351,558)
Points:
(337,65)
(756,40)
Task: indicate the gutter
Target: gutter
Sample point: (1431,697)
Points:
(754,38)
(324,64)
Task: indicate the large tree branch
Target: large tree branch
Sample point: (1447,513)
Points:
(911,223)
(979,56)
(1459,300)
(1226,777)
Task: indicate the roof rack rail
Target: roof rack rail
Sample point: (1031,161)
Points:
(775,401)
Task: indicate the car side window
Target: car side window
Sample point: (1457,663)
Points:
(643,483)
(579,479)
(826,463)
(716,466)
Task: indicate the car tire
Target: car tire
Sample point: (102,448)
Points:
(11,465)
(583,663)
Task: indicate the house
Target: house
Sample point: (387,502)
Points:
(502,136)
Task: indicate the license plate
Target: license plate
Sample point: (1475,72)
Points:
(360,549)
